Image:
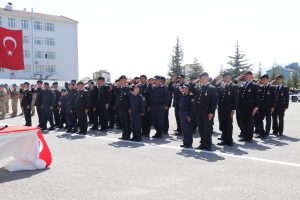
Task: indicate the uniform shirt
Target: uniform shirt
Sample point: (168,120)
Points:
(177,94)
(27,98)
(186,103)
(137,103)
(281,97)
(14,94)
(63,101)
(57,96)
(159,95)
(71,97)
(206,97)
(101,96)
(266,96)
(228,96)
(82,100)
(248,95)
(122,98)
(3,95)
(48,98)
(39,98)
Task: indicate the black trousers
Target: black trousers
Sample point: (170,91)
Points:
(158,118)
(264,113)
(47,116)
(205,128)
(82,120)
(39,111)
(71,119)
(146,123)
(166,121)
(278,121)
(136,125)
(225,121)
(101,117)
(27,114)
(112,116)
(246,123)
(56,115)
(63,117)
(125,123)
(186,128)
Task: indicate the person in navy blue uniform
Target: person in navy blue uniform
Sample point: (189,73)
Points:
(248,106)
(159,101)
(91,94)
(281,104)
(122,105)
(175,87)
(26,103)
(38,102)
(137,110)
(186,116)
(101,105)
(168,106)
(206,99)
(227,106)
(55,107)
(62,104)
(70,107)
(48,102)
(82,108)
(111,109)
(146,118)
(266,106)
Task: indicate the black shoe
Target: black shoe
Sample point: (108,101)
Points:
(74,131)
(182,145)
(157,136)
(146,135)
(82,132)
(43,128)
(259,136)
(219,138)
(178,134)
(111,126)
(51,128)
(94,128)
(240,135)
(201,147)
(69,131)
(103,130)
(275,133)
(242,140)
(133,139)
(188,146)
(221,143)
(280,134)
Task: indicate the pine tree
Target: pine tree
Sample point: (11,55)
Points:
(289,83)
(238,63)
(259,72)
(194,70)
(295,80)
(175,66)
(273,73)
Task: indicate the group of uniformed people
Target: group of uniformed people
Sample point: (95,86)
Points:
(134,106)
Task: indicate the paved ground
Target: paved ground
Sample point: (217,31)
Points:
(99,166)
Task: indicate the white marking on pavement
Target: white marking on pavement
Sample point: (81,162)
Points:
(196,150)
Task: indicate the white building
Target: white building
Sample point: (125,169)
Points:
(49,42)
(102,73)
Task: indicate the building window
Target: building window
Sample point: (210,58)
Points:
(39,68)
(25,39)
(24,23)
(49,26)
(38,40)
(12,22)
(26,53)
(39,54)
(50,41)
(27,68)
(38,25)
(49,55)
(50,69)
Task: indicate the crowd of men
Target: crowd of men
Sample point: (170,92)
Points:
(135,106)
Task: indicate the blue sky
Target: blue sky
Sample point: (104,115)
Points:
(134,37)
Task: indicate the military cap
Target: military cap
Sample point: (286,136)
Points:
(143,76)
(264,76)
(227,74)
(122,77)
(163,78)
(80,83)
(157,77)
(91,82)
(39,81)
(14,85)
(203,74)
(248,72)
(26,83)
(63,90)
(5,85)
(101,78)
(55,83)
(1,85)
(46,83)
(186,85)
(74,81)
(70,82)
(135,78)
(181,76)
(279,76)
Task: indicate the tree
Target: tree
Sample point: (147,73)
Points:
(289,83)
(238,63)
(295,79)
(273,73)
(175,66)
(194,70)
(259,71)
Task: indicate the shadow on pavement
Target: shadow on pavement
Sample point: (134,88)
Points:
(202,155)
(253,145)
(6,176)
(70,136)
(234,150)
(285,137)
(126,144)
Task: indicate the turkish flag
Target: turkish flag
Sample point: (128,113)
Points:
(11,49)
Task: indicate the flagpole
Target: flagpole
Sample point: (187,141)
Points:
(32,43)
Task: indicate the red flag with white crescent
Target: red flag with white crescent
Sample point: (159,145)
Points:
(45,153)
(11,49)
